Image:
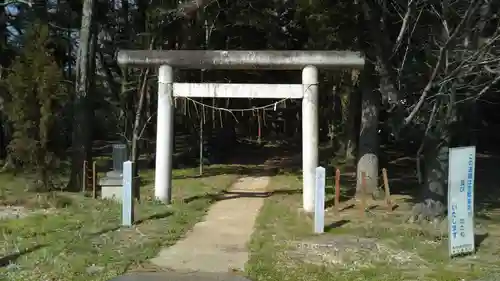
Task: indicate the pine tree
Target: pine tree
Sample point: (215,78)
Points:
(36,95)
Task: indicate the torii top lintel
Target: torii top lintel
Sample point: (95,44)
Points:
(217,59)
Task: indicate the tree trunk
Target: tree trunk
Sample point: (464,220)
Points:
(3,137)
(352,123)
(434,188)
(136,130)
(335,125)
(368,135)
(81,121)
(352,126)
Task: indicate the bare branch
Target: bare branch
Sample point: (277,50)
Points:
(474,56)
(187,9)
(7,3)
(442,52)
(487,87)
(403,61)
(491,70)
(403,26)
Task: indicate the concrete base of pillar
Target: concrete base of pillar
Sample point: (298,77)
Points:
(112,186)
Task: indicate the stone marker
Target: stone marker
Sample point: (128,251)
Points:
(111,184)
(319,201)
(120,155)
(128,194)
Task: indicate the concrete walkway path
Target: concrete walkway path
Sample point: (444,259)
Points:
(219,243)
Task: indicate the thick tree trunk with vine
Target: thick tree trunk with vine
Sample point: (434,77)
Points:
(377,80)
(81,137)
(368,134)
(433,194)
(352,123)
(352,126)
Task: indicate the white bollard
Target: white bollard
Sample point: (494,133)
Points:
(319,201)
(128,194)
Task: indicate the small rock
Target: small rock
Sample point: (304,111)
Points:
(12,212)
(12,267)
(94,269)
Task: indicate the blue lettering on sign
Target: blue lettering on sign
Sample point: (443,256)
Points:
(470,175)
(454,220)
(462,227)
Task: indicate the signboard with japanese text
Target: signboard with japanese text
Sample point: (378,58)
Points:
(461,169)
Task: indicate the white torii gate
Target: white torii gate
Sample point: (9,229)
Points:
(307,61)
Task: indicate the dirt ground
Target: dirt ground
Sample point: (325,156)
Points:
(376,244)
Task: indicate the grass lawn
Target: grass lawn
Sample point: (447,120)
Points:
(79,238)
(376,246)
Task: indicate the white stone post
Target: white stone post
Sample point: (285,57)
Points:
(128,194)
(319,201)
(164,135)
(309,136)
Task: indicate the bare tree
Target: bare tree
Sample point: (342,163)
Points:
(442,60)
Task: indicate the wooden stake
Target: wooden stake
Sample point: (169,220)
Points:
(200,157)
(94,180)
(363,193)
(337,189)
(84,176)
(386,187)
